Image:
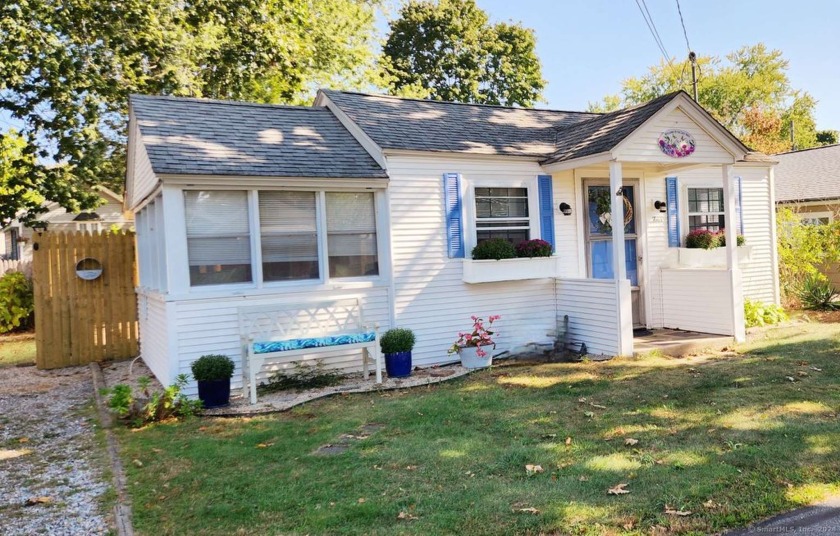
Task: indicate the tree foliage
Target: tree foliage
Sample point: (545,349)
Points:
(68,66)
(749,93)
(803,250)
(449,50)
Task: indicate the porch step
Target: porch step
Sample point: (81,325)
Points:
(676,343)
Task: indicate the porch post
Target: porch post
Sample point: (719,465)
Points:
(619,264)
(624,309)
(730,191)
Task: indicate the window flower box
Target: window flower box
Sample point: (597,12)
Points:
(488,271)
(711,258)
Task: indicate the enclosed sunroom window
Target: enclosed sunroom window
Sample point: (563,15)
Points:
(218,237)
(502,213)
(289,235)
(351,234)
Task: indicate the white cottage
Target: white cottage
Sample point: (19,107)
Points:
(243,207)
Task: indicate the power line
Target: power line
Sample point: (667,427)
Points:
(652,27)
(682,22)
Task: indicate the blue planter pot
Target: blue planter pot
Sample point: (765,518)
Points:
(214,393)
(398,365)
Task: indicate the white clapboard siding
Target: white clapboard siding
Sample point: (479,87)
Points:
(211,326)
(145,180)
(697,300)
(656,248)
(566,227)
(430,296)
(643,146)
(757,277)
(591,305)
(151,309)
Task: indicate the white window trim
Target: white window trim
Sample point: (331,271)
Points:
(815,215)
(468,186)
(322,282)
(684,185)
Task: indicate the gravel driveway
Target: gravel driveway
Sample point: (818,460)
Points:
(51,466)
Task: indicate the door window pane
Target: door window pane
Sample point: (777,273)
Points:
(602,260)
(599,201)
(351,234)
(218,237)
(289,236)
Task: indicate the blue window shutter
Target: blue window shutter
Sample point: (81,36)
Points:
(673,205)
(454,216)
(738,211)
(546,209)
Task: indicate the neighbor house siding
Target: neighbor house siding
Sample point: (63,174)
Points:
(643,146)
(430,296)
(211,325)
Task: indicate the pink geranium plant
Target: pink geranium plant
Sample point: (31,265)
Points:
(480,336)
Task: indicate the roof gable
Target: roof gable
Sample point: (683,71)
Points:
(205,137)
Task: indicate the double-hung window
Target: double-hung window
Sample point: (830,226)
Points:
(502,213)
(705,209)
(299,235)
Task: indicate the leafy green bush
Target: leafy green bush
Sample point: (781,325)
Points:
(721,239)
(701,239)
(494,248)
(16,302)
(397,340)
(533,248)
(817,293)
(301,377)
(212,367)
(761,314)
(803,250)
(171,403)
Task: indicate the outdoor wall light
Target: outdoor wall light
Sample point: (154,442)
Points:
(661,206)
(39,226)
(566,209)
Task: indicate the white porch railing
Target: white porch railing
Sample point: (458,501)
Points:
(596,309)
(697,300)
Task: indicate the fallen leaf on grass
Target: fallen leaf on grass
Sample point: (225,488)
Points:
(32,501)
(410,467)
(406,516)
(618,490)
(362,500)
(529,510)
(801,373)
(549,436)
(790,378)
(589,414)
(23,440)
(264,445)
(599,406)
(710,504)
(630,441)
(671,512)
(138,463)
(583,478)
(569,440)
(533,469)
(816,369)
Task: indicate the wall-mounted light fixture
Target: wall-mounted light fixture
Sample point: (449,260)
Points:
(39,226)
(661,206)
(566,209)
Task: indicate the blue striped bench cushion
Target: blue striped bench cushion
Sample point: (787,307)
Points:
(315,342)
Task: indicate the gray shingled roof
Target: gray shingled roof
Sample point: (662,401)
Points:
(810,174)
(424,125)
(206,137)
(605,131)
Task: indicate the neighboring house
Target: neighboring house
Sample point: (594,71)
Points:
(15,239)
(384,198)
(808,182)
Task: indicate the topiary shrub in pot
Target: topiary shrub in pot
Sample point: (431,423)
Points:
(213,373)
(396,344)
(494,249)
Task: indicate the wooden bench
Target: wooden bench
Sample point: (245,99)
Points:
(280,331)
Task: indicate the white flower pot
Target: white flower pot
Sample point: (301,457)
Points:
(470,359)
(488,271)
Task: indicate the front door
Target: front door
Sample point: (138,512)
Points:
(598,223)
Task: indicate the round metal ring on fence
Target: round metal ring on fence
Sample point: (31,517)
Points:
(88,269)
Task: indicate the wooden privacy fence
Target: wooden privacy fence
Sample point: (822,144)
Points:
(80,320)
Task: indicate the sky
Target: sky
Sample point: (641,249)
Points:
(587,47)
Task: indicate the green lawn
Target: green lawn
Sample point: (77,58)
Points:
(17,349)
(731,439)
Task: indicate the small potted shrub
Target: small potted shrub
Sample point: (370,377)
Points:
(701,239)
(721,239)
(470,346)
(213,373)
(533,248)
(397,344)
(494,249)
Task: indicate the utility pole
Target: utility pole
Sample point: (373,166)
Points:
(692,57)
(792,139)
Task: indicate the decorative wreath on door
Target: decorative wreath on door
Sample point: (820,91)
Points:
(603,209)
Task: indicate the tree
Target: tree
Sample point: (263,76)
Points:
(449,50)
(828,137)
(68,66)
(749,93)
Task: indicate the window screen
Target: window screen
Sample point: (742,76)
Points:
(289,235)
(351,234)
(218,237)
